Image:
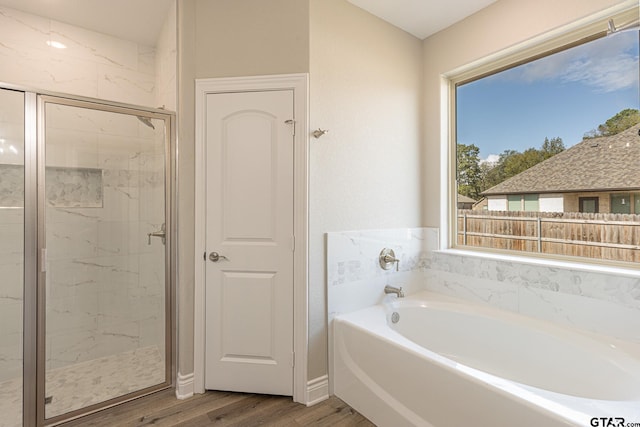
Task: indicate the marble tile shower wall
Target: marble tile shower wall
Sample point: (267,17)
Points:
(91,64)
(11,240)
(599,302)
(166,63)
(354,277)
(11,273)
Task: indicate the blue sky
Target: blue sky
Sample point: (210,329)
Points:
(564,95)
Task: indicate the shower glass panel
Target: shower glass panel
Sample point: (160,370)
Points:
(106,300)
(11,255)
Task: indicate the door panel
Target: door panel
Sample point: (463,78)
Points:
(247,209)
(249,292)
(248,302)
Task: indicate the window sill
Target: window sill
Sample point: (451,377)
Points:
(545,262)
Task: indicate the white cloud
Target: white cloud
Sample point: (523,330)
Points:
(491,158)
(606,65)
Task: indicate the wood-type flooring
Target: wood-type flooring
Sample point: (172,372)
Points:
(216,408)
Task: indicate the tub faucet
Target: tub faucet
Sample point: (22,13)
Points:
(393,290)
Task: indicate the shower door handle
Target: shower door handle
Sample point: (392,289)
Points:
(161,233)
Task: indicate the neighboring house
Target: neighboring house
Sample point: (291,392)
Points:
(598,175)
(481,205)
(465,202)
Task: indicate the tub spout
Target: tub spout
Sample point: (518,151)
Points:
(393,290)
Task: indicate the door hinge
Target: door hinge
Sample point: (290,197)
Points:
(293,243)
(293,359)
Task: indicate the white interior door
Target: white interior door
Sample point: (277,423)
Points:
(249,223)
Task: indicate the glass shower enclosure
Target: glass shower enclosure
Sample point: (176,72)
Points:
(85,255)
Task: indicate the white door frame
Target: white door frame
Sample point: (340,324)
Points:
(299,83)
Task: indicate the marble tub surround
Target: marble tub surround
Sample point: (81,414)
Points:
(354,277)
(598,302)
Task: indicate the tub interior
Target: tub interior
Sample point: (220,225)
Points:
(522,350)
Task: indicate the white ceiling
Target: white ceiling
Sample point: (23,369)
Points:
(141,20)
(422,17)
(135,20)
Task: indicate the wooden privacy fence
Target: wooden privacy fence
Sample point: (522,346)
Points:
(601,236)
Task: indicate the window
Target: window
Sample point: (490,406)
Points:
(533,138)
(589,204)
(621,203)
(530,202)
(514,203)
(523,202)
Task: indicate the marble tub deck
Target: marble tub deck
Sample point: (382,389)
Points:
(84,384)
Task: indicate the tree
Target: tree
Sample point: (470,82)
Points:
(616,124)
(551,147)
(468,174)
(512,162)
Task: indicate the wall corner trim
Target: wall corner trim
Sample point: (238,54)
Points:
(184,386)
(317,390)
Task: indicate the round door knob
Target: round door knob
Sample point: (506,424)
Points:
(215,257)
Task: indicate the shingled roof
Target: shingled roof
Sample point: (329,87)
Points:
(600,164)
(465,199)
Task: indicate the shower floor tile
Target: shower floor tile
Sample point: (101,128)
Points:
(87,383)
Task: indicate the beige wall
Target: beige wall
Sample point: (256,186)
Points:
(499,26)
(364,173)
(251,37)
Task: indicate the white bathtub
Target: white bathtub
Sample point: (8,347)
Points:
(450,363)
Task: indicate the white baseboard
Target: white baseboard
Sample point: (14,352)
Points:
(184,386)
(317,390)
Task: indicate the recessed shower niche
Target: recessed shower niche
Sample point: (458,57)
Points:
(86,295)
(65,187)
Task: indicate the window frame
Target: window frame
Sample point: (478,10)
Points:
(571,35)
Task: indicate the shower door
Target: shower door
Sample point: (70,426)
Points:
(104,242)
